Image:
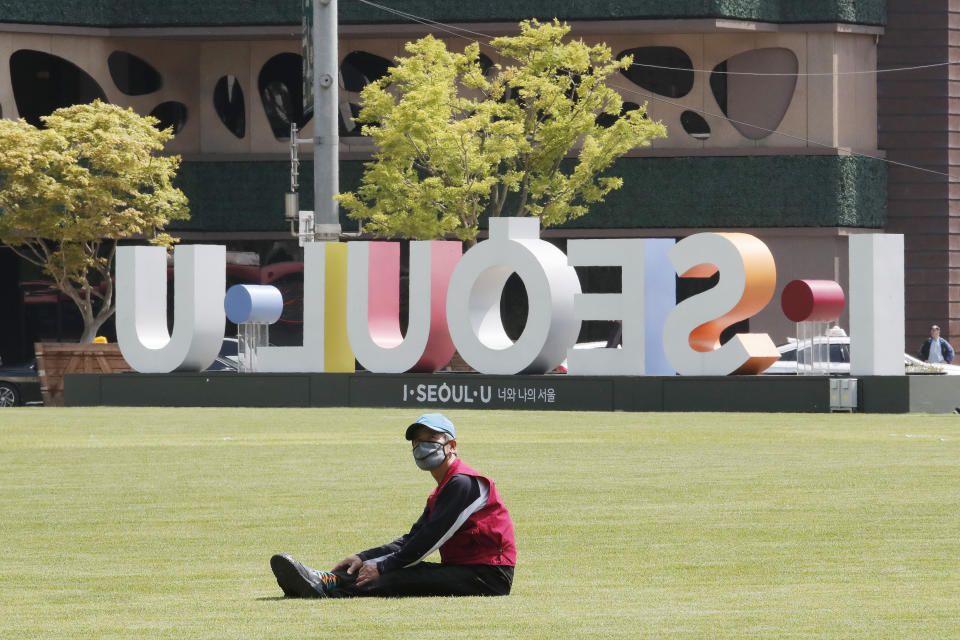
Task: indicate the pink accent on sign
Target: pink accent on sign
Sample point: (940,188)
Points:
(383,294)
(383,301)
(812,300)
(444,256)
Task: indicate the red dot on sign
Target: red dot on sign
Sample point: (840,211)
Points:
(812,300)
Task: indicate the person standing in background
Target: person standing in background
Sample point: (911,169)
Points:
(936,349)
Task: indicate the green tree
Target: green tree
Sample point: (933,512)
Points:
(453,142)
(68,192)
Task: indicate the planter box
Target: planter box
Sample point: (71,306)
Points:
(55,359)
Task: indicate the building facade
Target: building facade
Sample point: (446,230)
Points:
(794,155)
(919,120)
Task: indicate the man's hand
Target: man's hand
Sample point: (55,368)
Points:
(368,573)
(350,563)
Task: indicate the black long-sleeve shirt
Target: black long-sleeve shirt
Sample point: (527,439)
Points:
(462,496)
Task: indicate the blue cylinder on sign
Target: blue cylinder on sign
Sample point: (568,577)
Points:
(253,303)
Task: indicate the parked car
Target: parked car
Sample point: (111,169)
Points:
(229,357)
(794,355)
(562,367)
(839,354)
(838,346)
(916,365)
(19,384)
(224,364)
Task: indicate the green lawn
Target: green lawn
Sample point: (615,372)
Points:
(159,523)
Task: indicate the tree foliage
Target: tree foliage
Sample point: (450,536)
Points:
(68,192)
(453,142)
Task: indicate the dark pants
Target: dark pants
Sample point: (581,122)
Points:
(431,579)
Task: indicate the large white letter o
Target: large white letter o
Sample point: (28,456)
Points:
(473,301)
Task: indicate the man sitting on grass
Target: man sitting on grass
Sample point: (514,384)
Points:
(464,518)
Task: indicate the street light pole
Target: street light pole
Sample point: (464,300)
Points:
(326,133)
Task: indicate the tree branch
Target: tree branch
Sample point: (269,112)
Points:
(422,160)
(32,260)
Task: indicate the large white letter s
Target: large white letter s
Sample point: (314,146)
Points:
(748,278)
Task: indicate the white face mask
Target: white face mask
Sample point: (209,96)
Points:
(429,455)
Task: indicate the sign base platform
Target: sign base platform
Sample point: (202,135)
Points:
(421,392)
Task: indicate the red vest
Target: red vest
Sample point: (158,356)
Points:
(487,535)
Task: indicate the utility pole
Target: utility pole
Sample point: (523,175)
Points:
(326,133)
(321,93)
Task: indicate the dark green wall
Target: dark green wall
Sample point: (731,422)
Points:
(240,12)
(751,191)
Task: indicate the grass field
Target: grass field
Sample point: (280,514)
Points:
(159,523)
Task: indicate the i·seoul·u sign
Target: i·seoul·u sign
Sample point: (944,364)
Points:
(352,300)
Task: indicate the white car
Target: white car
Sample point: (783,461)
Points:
(562,368)
(228,359)
(916,365)
(839,356)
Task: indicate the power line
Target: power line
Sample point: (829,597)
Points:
(458,31)
(452,29)
(446,28)
(795,74)
(720,116)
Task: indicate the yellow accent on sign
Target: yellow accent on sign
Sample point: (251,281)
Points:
(337,355)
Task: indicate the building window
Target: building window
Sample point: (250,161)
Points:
(666,71)
(43,83)
(170,114)
(357,70)
(229,105)
(695,126)
(718,85)
(281,91)
(736,90)
(132,75)
(360,68)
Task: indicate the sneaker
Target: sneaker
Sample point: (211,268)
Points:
(300,581)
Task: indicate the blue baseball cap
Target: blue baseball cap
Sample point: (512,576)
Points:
(435,421)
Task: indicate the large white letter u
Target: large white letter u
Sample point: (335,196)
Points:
(200,280)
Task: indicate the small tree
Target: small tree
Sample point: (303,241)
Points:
(453,141)
(70,191)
